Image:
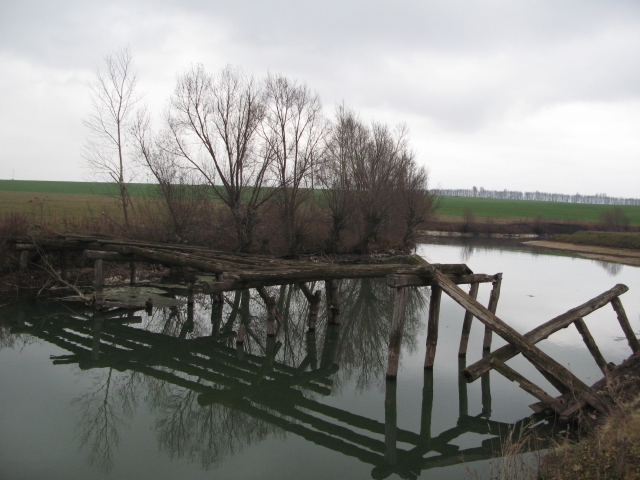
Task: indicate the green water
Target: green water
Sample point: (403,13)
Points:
(171,395)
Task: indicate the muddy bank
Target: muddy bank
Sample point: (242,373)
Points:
(607,254)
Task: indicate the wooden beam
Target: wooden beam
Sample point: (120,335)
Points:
(591,345)
(397,329)
(466,324)
(538,358)
(624,323)
(493,305)
(473,372)
(410,280)
(432,327)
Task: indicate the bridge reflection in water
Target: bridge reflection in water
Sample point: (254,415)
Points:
(216,395)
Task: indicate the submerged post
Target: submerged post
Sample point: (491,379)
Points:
(493,305)
(99,281)
(397,328)
(390,423)
(432,327)
(463,398)
(466,324)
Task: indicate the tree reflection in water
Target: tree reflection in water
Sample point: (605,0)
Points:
(212,397)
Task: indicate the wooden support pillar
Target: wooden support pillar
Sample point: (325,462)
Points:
(432,327)
(332,294)
(133,278)
(95,344)
(426,411)
(190,294)
(330,346)
(591,345)
(485,386)
(64,273)
(397,328)
(312,350)
(24,260)
(493,305)
(390,422)
(271,311)
(624,323)
(216,315)
(98,282)
(245,315)
(463,398)
(242,331)
(218,297)
(466,324)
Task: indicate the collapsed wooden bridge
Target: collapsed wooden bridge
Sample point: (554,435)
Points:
(225,271)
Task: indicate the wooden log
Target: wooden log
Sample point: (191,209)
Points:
(99,281)
(410,280)
(24,260)
(397,329)
(473,372)
(624,323)
(591,345)
(539,359)
(432,326)
(493,305)
(527,386)
(109,256)
(466,324)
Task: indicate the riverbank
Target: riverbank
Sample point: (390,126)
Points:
(616,255)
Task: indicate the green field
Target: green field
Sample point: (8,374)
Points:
(73,197)
(524,209)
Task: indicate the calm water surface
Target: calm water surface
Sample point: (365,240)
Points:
(161,397)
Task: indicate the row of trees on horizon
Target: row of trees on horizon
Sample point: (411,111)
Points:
(597,199)
(257,144)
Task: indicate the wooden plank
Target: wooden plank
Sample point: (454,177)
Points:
(473,372)
(539,359)
(397,329)
(432,326)
(409,280)
(493,305)
(591,345)
(624,323)
(466,324)
(527,386)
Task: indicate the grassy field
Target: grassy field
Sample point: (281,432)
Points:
(76,198)
(520,209)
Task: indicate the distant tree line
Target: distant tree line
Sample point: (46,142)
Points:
(264,150)
(597,199)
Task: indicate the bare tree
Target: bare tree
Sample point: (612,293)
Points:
(214,121)
(294,130)
(347,141)
(113,99)
(416,204)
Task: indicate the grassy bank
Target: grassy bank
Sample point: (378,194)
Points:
(629,240)
(483,208)
(73,188)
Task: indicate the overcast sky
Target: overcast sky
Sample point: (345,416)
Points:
(523,95)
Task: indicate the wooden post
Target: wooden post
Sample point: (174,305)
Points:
(426,411)
(333,301)
(390,422)
(466,324)
(493,305)
(133,278)
(24,260)
(190,295)
(591,345)
(99,281)
(538,358)
(216,315)
(626,326)
(485,386)
(271,311)
(432,327)
(463,398)
(397,328)
(242,330)
(312,351)
(330,346)
(314,307)
(64,274)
